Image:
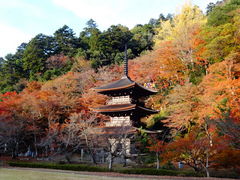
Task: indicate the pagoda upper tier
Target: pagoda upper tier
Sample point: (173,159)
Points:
(125,86)
(127,98)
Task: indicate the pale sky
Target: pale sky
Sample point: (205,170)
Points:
(21,20)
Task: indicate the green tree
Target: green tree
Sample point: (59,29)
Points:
(66,42)
(113,41)
(142,38)
(157,22)
(89,40)
(11,70)
(222,12)
(222,31)
(10,73)
(37,51)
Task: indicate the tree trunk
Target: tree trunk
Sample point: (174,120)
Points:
(158,160)
(124,161)
(46,151)
(206,167)
(15,150)
(207,171)
(82,151)
(13,154)
(35,145)
(67,157)
(110,162)
(90,150)
(92,155)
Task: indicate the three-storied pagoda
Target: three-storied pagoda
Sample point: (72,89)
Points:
(126,106)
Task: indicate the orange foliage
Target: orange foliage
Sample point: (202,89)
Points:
(193,150)
(221,83)
(227,158)
(156,146)
(57,61)
(162,66)
(170,64)
(33,86)
(198,45)
(9,101)
(92,99)
(144,68)
(183,105)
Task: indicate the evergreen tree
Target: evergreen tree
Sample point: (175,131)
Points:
(89,37)
(66,42)
(37,51)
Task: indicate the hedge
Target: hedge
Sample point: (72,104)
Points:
(144,171)
(162,172)
(73,167)
(81,167)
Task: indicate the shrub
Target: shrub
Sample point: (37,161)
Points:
(73,167)
(162,172)
(144,171)
(225,173)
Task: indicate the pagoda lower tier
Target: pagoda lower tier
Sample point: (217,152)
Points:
(125,114)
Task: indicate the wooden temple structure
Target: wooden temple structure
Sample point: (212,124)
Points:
(126,105)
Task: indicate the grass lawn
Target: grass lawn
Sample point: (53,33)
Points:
(40,174)
(15,174)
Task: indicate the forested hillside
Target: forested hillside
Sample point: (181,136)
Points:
(193,59)
(47,57)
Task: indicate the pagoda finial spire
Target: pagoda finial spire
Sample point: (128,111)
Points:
(125,62)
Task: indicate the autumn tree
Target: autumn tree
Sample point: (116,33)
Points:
(56,65)
(14,127)
(156,146)
(183,32)
(186,26)
(74,134)
(194,150)
(182,105)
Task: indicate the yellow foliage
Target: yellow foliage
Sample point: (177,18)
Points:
(187,21)
(164,33)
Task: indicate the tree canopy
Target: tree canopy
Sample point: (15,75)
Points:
(192,58)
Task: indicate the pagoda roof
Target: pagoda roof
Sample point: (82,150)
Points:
(124,83)
(152,111)
(123,108)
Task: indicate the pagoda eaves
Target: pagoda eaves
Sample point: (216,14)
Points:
(124,86)
(123,108)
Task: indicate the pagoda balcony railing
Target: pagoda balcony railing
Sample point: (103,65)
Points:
(120,100)
(119,121)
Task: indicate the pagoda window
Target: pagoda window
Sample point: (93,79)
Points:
(119,121)
(120,100)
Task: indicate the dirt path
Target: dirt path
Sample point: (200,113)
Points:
(108,175)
